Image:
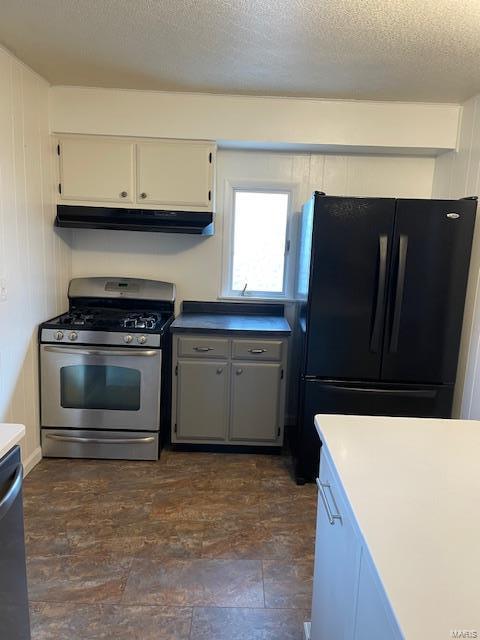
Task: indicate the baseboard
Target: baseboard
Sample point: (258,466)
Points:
(32,460)
(306,630)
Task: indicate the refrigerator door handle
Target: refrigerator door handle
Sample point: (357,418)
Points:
(408,393)
(397,309)
(380,303)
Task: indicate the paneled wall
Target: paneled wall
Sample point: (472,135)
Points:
(457,174)
(35,261)
(194,263)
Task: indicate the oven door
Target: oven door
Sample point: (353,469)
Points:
(100,387)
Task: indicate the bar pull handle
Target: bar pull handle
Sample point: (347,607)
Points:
(331,515)
(142,440)
(257,350)
(12,491)
(79,351)
(203,349)
(380,302)
(407,393)
(397,309)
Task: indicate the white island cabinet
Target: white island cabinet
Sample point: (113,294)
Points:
(397,550)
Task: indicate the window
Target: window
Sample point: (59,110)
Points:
(259,246)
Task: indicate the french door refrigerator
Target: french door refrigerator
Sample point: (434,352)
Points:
(383,284)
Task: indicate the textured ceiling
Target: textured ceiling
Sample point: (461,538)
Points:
(420,50)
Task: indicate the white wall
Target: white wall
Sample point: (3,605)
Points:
(457,174)
(34,260)
(335,125)
(194,263)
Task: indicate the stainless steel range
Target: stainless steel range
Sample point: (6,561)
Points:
(105,370)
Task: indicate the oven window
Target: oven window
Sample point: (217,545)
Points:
(100,387)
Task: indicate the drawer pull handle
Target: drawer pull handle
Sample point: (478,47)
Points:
(257,350)
(203,349)
(331,515)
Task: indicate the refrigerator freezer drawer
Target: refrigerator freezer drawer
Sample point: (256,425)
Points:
(335,396)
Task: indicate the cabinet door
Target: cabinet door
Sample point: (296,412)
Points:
(255,401)
(337,557)
(96,170)
(175,174)
(202,400)
(374,617)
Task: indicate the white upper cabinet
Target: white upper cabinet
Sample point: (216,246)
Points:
(96,170)
(175,173)
(140,173)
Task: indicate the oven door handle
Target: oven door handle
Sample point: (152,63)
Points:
(148,353)
(143,440)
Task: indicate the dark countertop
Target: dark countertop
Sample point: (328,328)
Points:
(221,317)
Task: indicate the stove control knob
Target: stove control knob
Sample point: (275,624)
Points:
(142,339)
(73,335)
(58,335)
(127,339)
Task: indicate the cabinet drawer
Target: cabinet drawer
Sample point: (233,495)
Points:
(257,349)
(203,347)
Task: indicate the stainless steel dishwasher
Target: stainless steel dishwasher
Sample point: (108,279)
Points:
(14,616)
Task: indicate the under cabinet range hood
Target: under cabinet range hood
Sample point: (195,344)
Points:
(85,217)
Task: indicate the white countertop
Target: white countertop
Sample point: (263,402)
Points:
(414,488)
(10,435)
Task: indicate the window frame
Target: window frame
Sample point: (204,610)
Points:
(258,186)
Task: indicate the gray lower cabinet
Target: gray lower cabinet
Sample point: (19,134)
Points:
(255,401)
(201,400)
(228,389)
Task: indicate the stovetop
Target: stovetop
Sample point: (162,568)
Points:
(127,312)
(102,319)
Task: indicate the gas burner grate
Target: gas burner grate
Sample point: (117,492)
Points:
(140,321)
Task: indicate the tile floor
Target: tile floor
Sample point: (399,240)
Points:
(198,546)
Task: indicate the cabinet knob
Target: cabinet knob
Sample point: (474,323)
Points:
(123,194)
(219,370)
(143,195)
(239,372)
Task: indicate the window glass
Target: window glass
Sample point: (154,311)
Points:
(259,237)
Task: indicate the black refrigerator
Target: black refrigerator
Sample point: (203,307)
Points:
(382,285)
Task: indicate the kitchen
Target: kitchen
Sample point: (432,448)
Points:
(208,541)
